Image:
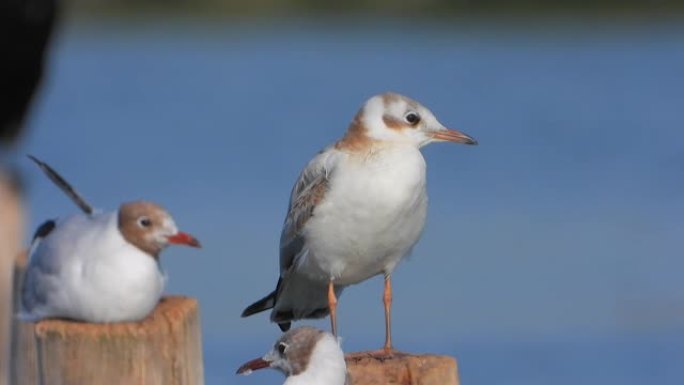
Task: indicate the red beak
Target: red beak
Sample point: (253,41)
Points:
(182,238)
(255,364)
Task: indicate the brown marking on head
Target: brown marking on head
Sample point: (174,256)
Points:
(356,138)
(394,123)
(299,345)
(139,222)
(393,105)
(391,97)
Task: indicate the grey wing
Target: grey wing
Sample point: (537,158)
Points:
(308,191)
(36,281)
(34,292)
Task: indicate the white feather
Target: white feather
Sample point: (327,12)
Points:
(85,270)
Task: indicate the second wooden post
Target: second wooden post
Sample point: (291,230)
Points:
(163,349)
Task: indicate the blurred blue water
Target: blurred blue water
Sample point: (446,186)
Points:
(552,252)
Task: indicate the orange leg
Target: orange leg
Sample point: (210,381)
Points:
(332,305)
(387,301)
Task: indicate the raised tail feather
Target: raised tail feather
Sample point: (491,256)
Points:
(63,185)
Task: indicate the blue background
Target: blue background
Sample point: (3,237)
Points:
(552,251)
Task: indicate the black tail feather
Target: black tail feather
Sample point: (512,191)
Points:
(63,185)
(285,326)
(267,303)
(261,305)
(44,230)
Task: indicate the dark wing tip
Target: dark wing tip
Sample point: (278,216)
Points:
(33,158)
(63,185)
(37,161)
(43,230)
(248,311)
(284,319)
(261,305)
(285,326)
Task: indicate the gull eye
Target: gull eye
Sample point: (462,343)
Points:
(412,118)
(144,222)
(281,348)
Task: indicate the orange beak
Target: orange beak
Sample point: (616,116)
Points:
(182,238)
(255,364)
(453,136)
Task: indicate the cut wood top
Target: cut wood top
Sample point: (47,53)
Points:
(171,312)
(401,369)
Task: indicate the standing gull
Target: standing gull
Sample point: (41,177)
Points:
(357,209)
(98,267)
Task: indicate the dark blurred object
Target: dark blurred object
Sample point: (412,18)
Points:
(14,181)
(406,8)
(25,28)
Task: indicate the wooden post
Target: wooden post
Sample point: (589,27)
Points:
(402,369)
(163,349)
(23,345)
(11,234)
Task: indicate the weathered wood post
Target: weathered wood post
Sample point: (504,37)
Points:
(163,349)
(23,356)
(403,369)
(11,227)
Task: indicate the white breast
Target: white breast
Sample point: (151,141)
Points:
(86,270)
(370,218)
